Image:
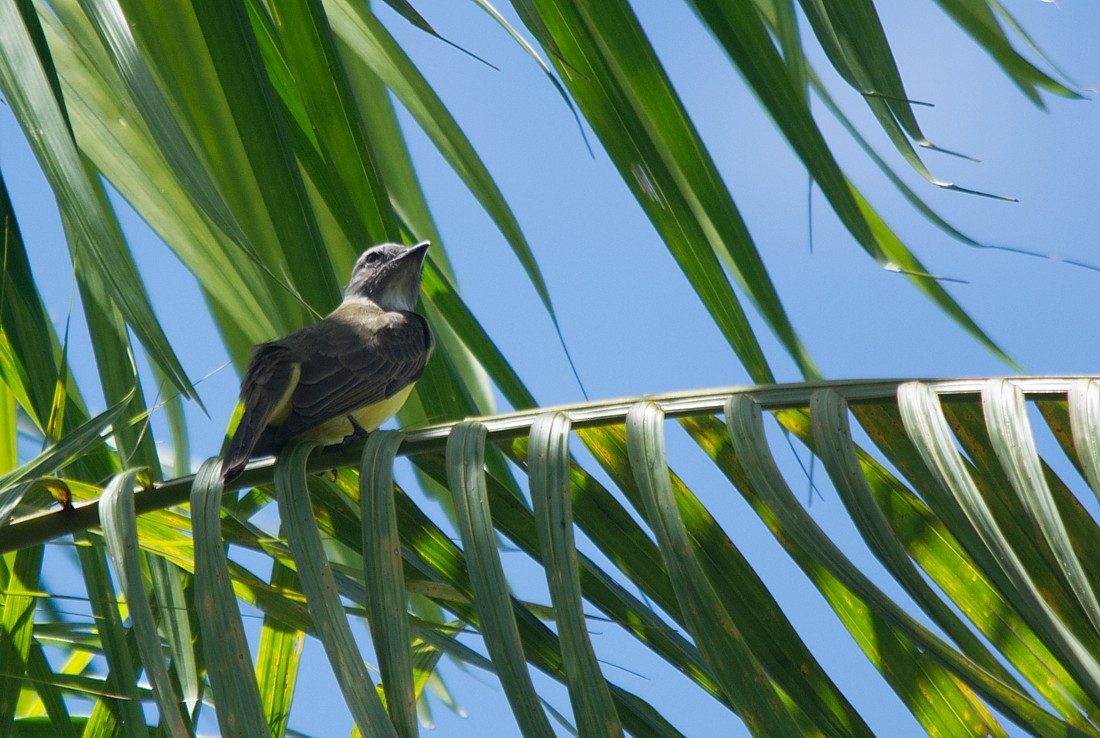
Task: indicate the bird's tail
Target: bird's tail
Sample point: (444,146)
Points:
(241,445)
(232,466)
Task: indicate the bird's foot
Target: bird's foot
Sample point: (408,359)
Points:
(357,434)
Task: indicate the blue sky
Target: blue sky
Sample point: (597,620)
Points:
(631,321)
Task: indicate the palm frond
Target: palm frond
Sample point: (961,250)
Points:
(961,544)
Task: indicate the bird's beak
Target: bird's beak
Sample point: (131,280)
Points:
(419,251)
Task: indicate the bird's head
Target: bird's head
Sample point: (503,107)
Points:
(388,275)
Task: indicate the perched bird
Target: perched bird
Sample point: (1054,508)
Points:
(344,375)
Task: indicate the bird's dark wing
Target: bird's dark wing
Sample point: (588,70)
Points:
(265,392)
(357,360)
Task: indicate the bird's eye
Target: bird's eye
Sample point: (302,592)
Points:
(373,257)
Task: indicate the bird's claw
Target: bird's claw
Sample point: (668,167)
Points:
(358,432)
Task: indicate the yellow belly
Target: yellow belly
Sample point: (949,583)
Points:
(370,417)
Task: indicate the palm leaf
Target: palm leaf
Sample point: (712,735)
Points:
(261,143)
(940,680)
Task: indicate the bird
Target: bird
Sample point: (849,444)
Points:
(342,377)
